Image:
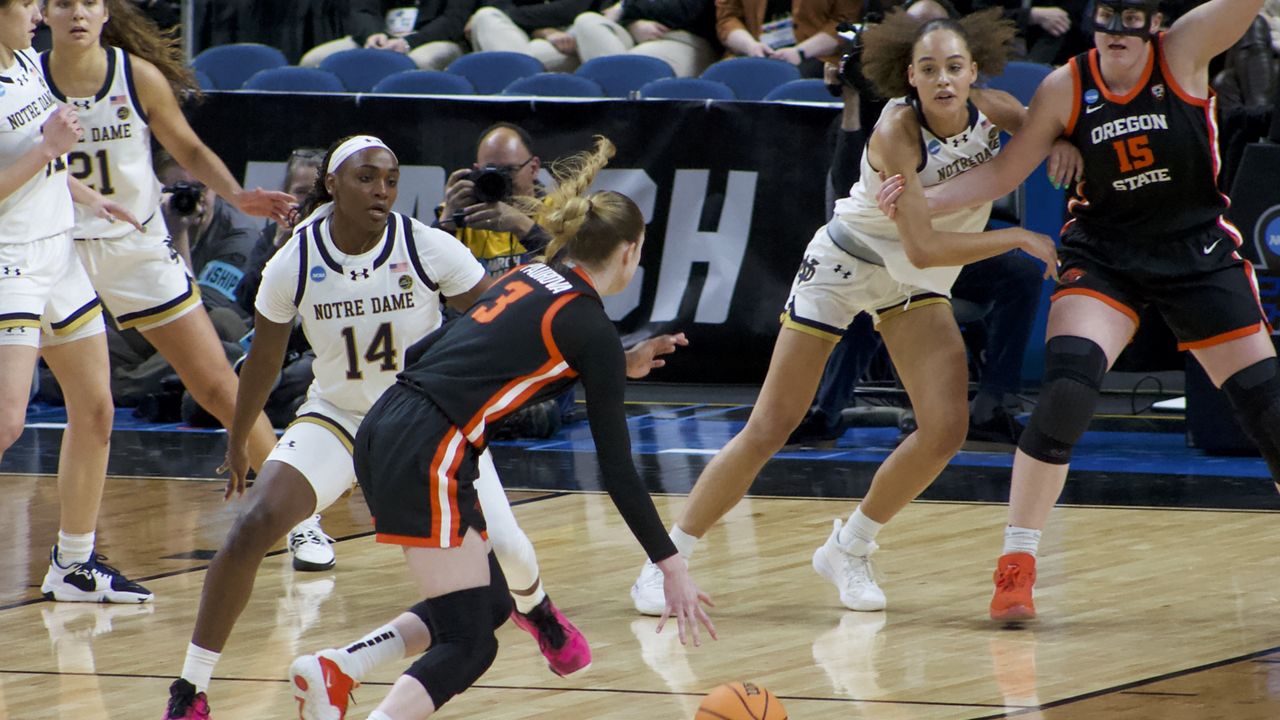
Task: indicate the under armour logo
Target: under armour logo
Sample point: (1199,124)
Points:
(362,273)
(808,267)
(839,270)
(15,271)
(287,443)
(83,104)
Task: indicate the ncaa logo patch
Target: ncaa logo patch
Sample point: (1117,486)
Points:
(405,282)
(935,147)
(1268,229)
(1091,96)
(318,273)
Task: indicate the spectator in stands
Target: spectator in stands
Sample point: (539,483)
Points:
(428,31)
(801,32)
(680,32)
(293,26)
(1051,31)
(1248,78)
(532,27)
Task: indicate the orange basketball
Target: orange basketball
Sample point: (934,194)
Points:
(740,701)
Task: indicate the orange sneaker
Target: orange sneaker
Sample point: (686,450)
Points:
(1014,577)
(322,690)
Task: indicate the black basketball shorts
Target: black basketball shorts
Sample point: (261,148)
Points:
(417,472)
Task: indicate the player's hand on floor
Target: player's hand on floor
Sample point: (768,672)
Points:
(236,464)
(684,601)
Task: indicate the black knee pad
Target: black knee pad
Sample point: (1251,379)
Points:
(463,644)
(499,594)
(1254,393)
(499,597)
(1073,370)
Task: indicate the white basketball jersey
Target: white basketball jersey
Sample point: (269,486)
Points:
(944,158)
(361,312)
(41,207)
(114,157)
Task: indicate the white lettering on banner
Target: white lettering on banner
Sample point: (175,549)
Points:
(722,250)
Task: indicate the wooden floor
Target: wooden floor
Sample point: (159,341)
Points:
(1146,613)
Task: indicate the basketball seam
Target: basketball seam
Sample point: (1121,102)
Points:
(743,700)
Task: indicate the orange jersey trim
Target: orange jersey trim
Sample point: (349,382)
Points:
(1223,337)
(1108,300)
(1075,90)
(1172,82)
(1133,92)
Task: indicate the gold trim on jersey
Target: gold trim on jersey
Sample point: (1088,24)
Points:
(19,323)
(87,313)
(340,432)
(163,313)
(909,305)
(788,322)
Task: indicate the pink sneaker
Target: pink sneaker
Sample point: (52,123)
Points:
(562,644)
(185,703)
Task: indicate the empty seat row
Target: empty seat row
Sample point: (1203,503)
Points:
(258,67)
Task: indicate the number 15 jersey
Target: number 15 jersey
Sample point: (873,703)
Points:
(360,312)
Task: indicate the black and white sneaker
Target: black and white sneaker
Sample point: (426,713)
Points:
(311,548)
(92,581)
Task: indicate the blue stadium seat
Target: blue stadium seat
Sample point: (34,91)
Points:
(228,66)
(752,78)
(491,72)
(294,79)
(555,85)
(620,75)
(687,89)
(360,69)
(1020,79)
(203,80)
(805,90)
(425,82)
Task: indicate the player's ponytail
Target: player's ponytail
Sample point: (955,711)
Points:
(586,228)
(889,46)
(130,30)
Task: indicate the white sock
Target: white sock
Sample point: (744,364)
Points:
(525,603)
(685,543)
(379,715)
(1021,540)
(378,647)
(74,548)
(510,544)
(198,667)
(859,533)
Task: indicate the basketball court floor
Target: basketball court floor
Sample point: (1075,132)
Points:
(1157,590)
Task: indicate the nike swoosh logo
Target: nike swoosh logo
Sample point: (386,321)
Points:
(1091,108)
(1209,248)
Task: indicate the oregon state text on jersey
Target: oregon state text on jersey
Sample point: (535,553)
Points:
(114,156)
(1150,156)
(360,312)
(42,206)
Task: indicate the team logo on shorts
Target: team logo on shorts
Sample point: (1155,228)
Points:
(318,273)
(1072,275)
(1157,91)
(808,267)
(935,147)
(405,282)
(122,113)
(1091,96)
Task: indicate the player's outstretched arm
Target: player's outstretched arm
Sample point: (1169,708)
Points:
(1207,31)
(257,377)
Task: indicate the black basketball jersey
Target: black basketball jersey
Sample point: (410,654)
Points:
(502,354)
(526,340)
(1150,157)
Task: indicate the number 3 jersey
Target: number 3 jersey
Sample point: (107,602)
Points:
(114,156)
(1150,157)
(41,207)
(360,312)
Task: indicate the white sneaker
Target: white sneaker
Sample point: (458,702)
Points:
(852,574)
(93,581)
(647,593)
(310,546)
(320,687)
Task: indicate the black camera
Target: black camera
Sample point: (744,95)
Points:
(185,197)
(492,183)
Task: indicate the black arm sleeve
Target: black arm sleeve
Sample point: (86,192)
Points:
(675,14)
(553,14)
(447,26)
(591,346)
(364,18)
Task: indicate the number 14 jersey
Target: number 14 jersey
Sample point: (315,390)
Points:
(360,312)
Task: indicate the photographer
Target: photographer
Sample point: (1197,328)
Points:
(476,201)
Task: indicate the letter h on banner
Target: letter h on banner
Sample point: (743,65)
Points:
(722,249)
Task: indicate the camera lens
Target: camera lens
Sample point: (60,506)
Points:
(492,184)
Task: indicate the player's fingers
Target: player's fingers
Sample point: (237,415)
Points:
(662,622)
(705,619)
(705,598)
(657,363)
(691,618)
